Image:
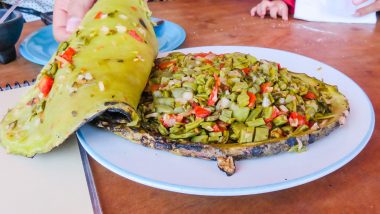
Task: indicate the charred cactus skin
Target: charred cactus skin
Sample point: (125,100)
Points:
(214,151)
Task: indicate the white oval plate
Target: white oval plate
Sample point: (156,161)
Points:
(164,170)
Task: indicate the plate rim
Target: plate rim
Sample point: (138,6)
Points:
(241,190)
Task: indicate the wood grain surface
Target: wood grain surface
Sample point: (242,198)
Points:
(353,49)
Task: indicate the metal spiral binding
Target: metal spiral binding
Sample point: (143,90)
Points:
(17,85)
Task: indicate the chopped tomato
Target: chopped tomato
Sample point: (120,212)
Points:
(252,99)
(98,15)
(301,120)
(207,61)
(216,128)
(68,54)
(214,93)
(264,87)
(201,112)
(278,66)
(246,70)
(310,95)
(169,120)
(221,65)
(154,87)
(45,85)
(275,113)
(222,125)
(178,118)
(202,55)
(269,125)
(136,36)
(175,69)
(166,64)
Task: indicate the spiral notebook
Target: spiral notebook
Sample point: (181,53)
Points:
(56,182)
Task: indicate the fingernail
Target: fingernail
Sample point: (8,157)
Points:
(72,24)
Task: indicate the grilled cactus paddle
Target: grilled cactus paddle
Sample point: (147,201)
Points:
(229,107)
(104,66)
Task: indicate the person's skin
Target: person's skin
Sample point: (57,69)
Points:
(273,8)
(279,8)
(67,16)
(375,6)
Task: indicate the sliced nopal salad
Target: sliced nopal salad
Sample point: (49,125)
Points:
(227,107)
(230,98)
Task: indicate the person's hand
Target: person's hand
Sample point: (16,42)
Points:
(274,8)
(67,16)
(375,6)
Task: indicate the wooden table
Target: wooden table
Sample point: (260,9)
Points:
(351,48)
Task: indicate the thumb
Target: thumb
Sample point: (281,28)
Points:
(76,13)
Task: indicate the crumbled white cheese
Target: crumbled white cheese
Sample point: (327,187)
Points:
(103,16)
(88,76)
(101,85)
(121,29)
(124,17)
(266,101)
(105,29)
(80,77)
(72,90)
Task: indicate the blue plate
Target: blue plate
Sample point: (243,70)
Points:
(41,45)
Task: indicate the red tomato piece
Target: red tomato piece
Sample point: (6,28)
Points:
(201,112)
(45,85)
(310,95)
(68,54)
(136,36)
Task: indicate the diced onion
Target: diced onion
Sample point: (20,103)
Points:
(188,95)
(266,101)
(121,28)
(101,86)
(223,103)
(283,108)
